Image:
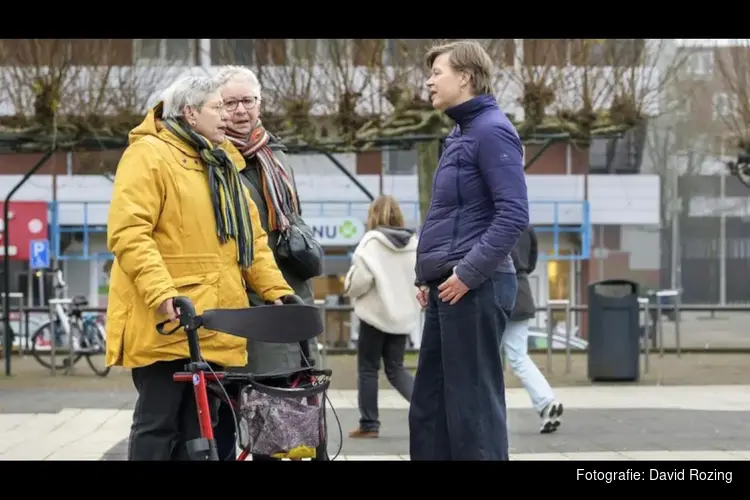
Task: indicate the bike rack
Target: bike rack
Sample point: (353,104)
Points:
(565,306)
(53,303)
(22,342)
(660,328)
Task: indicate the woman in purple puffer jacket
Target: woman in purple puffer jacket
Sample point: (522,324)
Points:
(465,272)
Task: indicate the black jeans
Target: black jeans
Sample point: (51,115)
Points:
(373,345)
(458,407)
(165,416)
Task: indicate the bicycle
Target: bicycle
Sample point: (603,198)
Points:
(86,330)
(281,414)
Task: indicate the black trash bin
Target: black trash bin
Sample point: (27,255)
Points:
(613,331)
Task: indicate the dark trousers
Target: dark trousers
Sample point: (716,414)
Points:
(458,407)
(224,432)
(165,415)
(373,345)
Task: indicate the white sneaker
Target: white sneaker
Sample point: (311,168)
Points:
(551,417)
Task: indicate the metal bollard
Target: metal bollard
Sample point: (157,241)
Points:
(677,304)
(550,332)
(667,293)
(646,326)
(659,327)
(64,325)
(568,328)
(17,297)
(324,351)
(53,337)
(549,336)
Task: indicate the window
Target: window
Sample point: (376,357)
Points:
(700,62)
(232,51)
(621,155)
(400,162)
(173,50)
(682,106)
(723,106)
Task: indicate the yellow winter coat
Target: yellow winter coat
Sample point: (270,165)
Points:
(162,233)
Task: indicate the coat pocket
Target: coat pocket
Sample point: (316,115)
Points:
(201,289)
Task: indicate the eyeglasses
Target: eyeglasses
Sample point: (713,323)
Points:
(249,103)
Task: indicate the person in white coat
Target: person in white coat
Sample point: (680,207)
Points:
(380,285)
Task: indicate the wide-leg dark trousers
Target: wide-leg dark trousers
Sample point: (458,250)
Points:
(458,407)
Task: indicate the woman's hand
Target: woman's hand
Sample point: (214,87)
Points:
(422,292)
(452,289)
(168,309)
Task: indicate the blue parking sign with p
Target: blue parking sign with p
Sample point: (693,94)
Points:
(39,257)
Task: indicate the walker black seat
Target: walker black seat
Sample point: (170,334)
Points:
(278,324)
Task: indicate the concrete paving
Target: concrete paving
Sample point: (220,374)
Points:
(601,423)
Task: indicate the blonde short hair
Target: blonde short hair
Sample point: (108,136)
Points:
(467,56)
(384,211)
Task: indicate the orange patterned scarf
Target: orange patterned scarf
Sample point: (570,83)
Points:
(278,186)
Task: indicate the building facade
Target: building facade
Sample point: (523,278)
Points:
(594,208)
(704,238)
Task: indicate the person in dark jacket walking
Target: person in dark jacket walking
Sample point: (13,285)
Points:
(516,337)
(465,274)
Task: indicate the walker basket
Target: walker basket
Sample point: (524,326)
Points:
(283,416)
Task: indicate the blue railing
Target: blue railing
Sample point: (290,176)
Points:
(87,218)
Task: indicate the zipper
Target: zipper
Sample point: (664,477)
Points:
(456,223)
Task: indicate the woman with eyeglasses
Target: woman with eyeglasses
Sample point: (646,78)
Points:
(270,181)
(166,229)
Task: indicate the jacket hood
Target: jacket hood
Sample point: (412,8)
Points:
(151,126)
(397,238)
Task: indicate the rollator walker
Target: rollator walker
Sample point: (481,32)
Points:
(280,414)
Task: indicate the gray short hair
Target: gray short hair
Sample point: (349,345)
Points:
(187,91)
(233,73)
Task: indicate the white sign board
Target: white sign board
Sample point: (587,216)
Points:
(336,231)
(12,250)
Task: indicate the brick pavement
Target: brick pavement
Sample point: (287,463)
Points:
(629,422)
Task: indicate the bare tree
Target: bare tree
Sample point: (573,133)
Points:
(733,65)
(538,80)
(68,90)
(681,146)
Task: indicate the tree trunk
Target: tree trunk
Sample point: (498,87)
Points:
(427,161)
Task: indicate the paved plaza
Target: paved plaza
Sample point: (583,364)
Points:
(601,423)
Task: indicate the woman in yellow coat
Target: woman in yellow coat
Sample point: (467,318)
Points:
(180,224)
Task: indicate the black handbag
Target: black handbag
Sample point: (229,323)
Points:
(301,253)
(297,246)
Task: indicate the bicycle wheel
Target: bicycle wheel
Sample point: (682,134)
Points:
(94,348)
(41,343)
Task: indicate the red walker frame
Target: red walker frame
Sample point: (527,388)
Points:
(199,373)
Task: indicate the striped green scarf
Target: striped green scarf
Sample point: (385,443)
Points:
(230,204)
